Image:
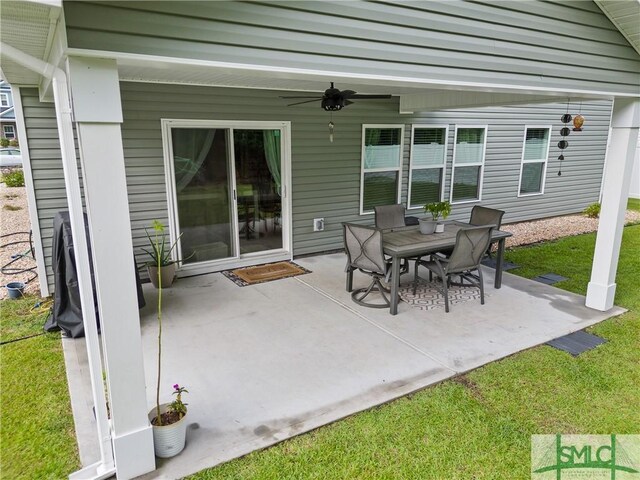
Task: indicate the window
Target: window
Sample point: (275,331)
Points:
(468,164)
(381,166)
(535,152)
(428,159)
(4,99)
(9,131)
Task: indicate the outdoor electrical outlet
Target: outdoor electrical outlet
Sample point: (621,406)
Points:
(318,224)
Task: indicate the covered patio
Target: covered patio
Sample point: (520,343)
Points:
(270,361)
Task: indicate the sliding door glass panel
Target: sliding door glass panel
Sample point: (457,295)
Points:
(258,162)
(201,170)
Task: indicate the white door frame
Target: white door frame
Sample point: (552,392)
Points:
(286,252)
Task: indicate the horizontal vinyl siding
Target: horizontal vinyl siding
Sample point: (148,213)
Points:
(557,45)
(326,176)
(46,167)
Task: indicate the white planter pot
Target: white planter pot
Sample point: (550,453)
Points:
(168,440)
(168,273)
(440,228)
(427,226)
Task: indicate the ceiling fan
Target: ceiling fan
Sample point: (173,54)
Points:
(334,99)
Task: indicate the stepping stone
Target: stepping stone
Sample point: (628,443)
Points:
(491,263)
(550,278)
(577,342)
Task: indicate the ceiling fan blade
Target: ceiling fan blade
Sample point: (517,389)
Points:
(307,96)
(300,103)
(371,96)
(347,93)
(347,102)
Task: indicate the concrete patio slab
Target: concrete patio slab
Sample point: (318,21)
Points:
(266,362)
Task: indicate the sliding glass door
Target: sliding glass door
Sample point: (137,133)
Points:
(258,171)
(227,189)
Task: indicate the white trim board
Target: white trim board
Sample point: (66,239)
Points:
(139,60)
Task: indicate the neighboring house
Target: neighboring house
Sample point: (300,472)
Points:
(7,112)
(177,115)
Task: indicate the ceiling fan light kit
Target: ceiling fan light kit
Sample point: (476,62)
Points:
(333,100)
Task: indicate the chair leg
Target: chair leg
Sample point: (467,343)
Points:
(445,282)
(415,276)
(481,286)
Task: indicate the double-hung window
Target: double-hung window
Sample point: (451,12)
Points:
(9,131)
(428,160)
(4,99)
(381,171)
(468,163)
(535,152)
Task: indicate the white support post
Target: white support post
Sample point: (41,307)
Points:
(615,189)
(98,114)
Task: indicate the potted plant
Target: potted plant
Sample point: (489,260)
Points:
(168,419)
(161,268)
(169,423)
(437,210)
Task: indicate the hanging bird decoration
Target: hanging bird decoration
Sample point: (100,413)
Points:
(564,132)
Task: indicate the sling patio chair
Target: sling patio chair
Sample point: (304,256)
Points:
(363,246)
(464,261)
(393,216)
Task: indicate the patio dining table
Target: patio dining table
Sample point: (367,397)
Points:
(408,242)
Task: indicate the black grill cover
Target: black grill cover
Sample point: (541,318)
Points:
(66,314)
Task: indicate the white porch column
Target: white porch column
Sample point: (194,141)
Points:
(98,114)
(615,190)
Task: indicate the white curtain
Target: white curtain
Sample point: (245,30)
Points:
(190,149)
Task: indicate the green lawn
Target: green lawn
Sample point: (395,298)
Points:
(37,439)
(476,426)
(479,425)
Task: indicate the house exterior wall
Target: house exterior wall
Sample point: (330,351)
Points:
(557,44)
(7,113)
(326,176)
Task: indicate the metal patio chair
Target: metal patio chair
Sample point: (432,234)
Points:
(363,246)
(486,216)
(470,247)
(392,216)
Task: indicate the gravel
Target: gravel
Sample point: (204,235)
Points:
(525,233)
(14,217)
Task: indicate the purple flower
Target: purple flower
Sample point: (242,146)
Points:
(176,386)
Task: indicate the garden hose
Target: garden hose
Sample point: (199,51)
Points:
(7,269)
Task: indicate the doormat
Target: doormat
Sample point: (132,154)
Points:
(550,278)
(264,273)
(427,296)
(577,342)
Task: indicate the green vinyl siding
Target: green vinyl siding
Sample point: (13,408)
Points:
(555,45)
(326,176)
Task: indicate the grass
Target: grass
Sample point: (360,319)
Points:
(475,426)
(37,438)
(479,425)
(634,204)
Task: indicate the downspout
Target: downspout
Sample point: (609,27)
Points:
(105,467)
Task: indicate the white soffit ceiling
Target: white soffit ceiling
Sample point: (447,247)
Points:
(29,27)
(625,15)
